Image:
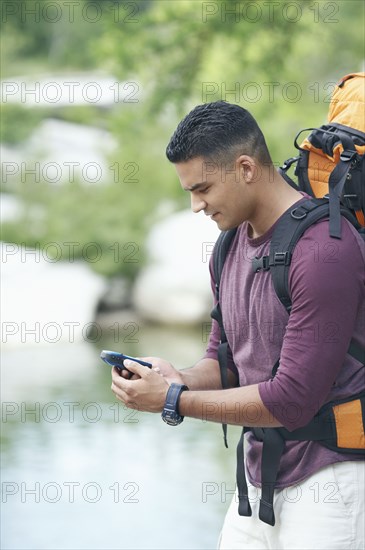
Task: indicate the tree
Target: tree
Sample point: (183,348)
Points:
(278,59)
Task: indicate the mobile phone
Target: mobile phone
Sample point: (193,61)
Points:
(116,359)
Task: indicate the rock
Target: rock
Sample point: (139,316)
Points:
(59,152)
(43,301)
(10,208)
(70,152)
(174,287)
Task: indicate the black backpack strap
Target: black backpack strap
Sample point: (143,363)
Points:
(326,138)
(321,428)
(324,429)
(291,227)
(283,169)
(272,450)
(287,233)
(337,182)
(357,351)
(220,252)
(244,508)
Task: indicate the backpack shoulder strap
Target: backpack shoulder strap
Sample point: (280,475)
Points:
(291,227)
(220,252)
(287,233)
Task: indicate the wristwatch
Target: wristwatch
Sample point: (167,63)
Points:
(170,413)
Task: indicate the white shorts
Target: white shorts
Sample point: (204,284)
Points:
(324,512)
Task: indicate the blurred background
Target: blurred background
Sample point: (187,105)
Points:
(99,249)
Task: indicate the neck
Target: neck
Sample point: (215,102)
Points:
(275,197)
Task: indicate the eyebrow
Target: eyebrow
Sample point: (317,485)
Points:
(196,186)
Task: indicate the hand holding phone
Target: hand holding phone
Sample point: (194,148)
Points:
(116,359)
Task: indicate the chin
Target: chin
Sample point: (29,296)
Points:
(224,225)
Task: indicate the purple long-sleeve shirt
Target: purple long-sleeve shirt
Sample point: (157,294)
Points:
(327,287)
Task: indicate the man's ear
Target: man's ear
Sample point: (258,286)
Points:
(248,168)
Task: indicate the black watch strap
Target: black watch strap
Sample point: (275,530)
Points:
(173,395)
(170,413)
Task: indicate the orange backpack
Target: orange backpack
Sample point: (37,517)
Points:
(331,159)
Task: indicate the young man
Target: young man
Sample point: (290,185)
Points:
(222,160)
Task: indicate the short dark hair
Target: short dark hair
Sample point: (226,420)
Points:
(220,131)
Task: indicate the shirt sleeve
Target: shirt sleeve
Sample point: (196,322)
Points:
(326,283)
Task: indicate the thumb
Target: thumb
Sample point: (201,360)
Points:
(135,367)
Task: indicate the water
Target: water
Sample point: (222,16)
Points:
(80,471)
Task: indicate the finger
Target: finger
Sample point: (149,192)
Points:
(124,397)
(125,373)
(119,380)
(122,372)
(152,360)
(136,368)
(119,394)
(115,372)
(124,383)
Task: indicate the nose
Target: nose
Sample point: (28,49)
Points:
(197,204)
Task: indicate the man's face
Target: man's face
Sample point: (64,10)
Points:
(219,190)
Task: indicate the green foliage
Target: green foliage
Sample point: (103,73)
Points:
(278,59)
(56,34)
(81,221)
(83,114)
(18,122)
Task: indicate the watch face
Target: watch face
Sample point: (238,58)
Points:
(171,417)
